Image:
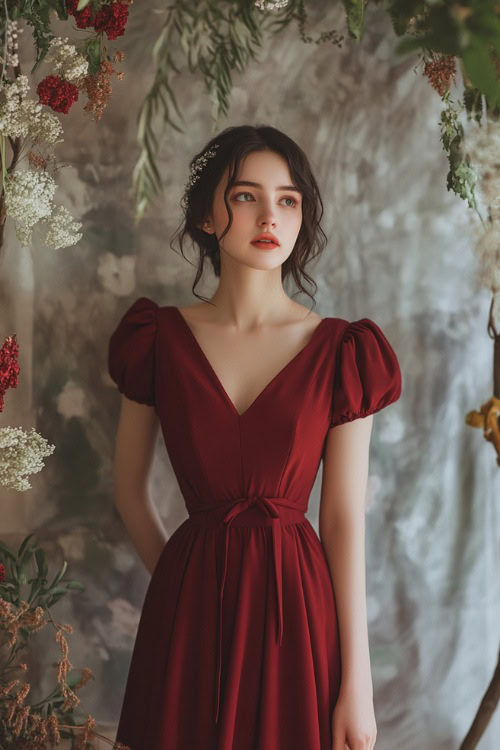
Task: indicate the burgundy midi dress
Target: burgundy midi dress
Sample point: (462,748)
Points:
(237,646)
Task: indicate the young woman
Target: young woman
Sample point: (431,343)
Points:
(253,633)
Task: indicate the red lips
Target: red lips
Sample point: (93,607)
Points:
(267,236)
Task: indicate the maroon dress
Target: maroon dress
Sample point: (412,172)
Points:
(238,645)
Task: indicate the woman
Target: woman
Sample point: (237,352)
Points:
(253,633)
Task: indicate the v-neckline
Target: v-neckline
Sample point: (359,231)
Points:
(216,378)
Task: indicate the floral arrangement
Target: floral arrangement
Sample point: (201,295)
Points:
(26,195)
(39,725)
(21,453)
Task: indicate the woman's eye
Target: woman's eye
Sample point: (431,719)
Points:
(286,198)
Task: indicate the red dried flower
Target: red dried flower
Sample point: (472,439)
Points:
(9,368)
(98,89)
(57,93)
(440,72)
(2,572)
(83,17)
(112,19)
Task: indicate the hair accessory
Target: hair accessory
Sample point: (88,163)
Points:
(198,165)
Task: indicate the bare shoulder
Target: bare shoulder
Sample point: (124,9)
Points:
(304,314)
(197,313)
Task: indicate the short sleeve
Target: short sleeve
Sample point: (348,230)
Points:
(131,352)
(367,374)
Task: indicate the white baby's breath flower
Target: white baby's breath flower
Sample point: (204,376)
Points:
(21,117)
(18,122)
(21,453)
(270,4)
(12,114)
(75,68)
(45,128)
(24,235)
(8,437)
(18,87)
(68,63)
(59,47)
(62,229)
(28,195)
(12,44)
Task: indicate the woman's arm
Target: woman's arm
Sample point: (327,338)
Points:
(134,450)
(342,533)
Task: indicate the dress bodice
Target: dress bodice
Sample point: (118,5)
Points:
(345,371)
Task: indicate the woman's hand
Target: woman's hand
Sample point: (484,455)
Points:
(353,720)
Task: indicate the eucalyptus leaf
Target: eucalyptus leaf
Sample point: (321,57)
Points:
(73,678)
(94,54)
(75,585)
(53,598)
(57,590)
(25,565)
(41,561)
(59,575)
(23,544)
(354,11)
(5,552)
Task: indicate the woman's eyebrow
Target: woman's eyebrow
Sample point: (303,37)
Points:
(258,185)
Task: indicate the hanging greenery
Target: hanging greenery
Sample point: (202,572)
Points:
(219,38)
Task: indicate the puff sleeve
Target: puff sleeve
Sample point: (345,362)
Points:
(367,375)
(131,352)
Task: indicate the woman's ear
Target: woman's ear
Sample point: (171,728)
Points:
(204,225)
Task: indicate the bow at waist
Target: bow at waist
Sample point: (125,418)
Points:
(269,505)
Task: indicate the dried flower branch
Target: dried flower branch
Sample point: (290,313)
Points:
(40,725)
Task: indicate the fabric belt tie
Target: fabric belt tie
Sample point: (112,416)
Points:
(267,505)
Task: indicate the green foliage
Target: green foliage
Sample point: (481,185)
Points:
(220,38)
(461,177)
(94,55)
(354,10)
(31,560)
(470,31)
(18,568)
(473,103)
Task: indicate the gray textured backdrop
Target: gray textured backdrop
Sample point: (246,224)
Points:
(400,251)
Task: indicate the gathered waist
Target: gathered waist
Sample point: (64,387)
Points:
(255,510)
(248,511)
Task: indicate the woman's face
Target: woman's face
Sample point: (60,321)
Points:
(268,207)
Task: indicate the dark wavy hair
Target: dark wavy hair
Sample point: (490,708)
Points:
(235,143)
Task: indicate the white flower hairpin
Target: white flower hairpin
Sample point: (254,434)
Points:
(198,165)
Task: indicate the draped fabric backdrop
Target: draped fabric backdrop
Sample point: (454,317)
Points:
(400,251)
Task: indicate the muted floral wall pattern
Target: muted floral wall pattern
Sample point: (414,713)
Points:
(400,251)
